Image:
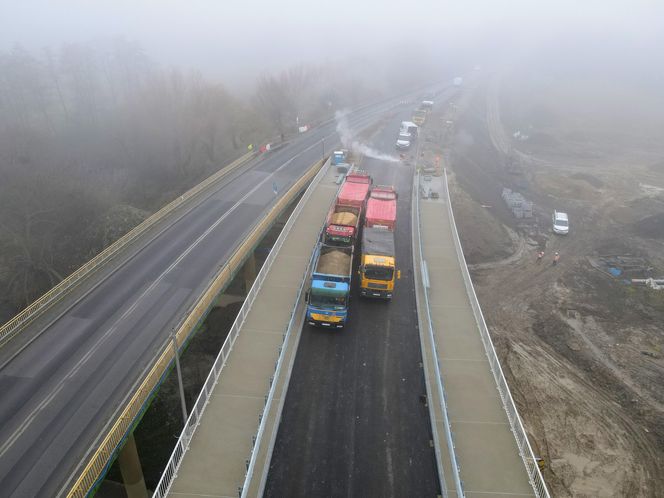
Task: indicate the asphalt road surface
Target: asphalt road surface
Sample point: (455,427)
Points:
(61,391)
(354,423)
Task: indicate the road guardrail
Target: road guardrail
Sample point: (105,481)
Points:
(196,412)
(124,423)
(525,450)
(440,384)
(32,311)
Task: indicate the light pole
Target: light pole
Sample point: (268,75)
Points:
(179,373)
(322,140)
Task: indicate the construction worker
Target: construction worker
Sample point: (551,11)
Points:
(540,255)
(556,257)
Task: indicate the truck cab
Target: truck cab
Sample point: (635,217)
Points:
(338,157)
(327,304)
(377,275)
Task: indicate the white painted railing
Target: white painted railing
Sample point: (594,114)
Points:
(525,450)
(440,385)
(18,322)
(197,410)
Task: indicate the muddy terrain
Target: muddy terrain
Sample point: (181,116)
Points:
(582,346)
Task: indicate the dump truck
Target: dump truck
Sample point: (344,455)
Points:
(339,157)
(355,188)
(329,288)
(378,271)
(381,211)
(343,220)
(419,116)
(342,225)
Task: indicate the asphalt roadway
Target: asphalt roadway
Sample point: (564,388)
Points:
(63,388)
(355,423)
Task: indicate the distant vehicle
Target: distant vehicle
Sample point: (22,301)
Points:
(409,127)
(427,104)
(339,157)
(403,144)
(419,117)
(404,135)
(458,81)
(560,223)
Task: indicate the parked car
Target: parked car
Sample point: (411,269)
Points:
(560,223)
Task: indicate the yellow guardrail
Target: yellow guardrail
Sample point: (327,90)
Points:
(16,324)
(112,441)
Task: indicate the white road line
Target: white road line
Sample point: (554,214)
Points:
(46,401)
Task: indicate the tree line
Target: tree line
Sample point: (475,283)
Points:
(94,137)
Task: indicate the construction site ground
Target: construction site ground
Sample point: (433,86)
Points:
(583,350)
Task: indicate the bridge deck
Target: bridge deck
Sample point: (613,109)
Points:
(215,466)
(485,447)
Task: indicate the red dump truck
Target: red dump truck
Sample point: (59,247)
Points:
(381,209)
(343,219)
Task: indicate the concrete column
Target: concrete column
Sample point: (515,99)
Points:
(130,468)
(249,271)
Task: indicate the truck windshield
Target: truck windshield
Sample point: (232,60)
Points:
(328,302)
(378,272)
(336,240)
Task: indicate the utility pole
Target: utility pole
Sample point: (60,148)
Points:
(179,373)
(323,142)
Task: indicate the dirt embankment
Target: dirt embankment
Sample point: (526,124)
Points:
(583,352)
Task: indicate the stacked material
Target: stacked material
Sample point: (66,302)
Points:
(335,262)
(521,208)
(344,218)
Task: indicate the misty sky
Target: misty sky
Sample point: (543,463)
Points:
(233,38)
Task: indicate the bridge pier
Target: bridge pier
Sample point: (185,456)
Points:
(130,468)
(249,271)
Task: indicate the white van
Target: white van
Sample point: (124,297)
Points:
(409,127)
(560,223)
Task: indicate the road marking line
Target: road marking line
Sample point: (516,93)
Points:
(46,401)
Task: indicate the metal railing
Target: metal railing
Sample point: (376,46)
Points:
(99,461)
(289,329)
(197,410)
(439,377)
(16,324)
(525,450)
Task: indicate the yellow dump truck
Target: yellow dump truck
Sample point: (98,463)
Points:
(378,271)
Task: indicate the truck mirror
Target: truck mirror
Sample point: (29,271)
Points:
(306,297)
(398,274)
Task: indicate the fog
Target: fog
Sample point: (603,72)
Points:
(109,109)
(236,41)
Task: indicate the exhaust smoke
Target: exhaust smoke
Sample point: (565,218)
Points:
(346,135)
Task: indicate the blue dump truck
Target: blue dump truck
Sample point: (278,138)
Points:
(338,157)
(329,288)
